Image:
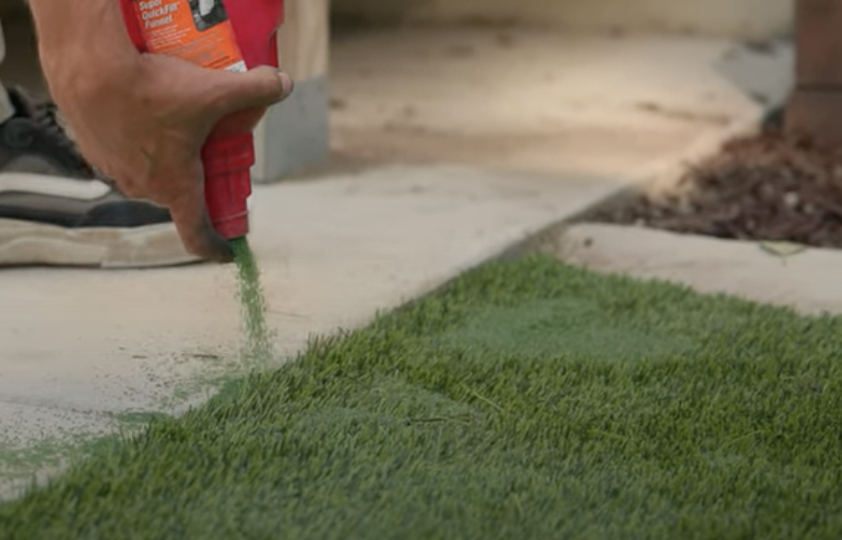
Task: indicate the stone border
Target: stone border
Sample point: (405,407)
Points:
(805,281)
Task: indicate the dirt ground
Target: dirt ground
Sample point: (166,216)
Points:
(769,187)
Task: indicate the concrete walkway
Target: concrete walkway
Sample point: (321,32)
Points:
(634,107)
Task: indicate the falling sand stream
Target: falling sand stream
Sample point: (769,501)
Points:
(258,344)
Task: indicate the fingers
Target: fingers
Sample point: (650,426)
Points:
(190,216)
(260,87)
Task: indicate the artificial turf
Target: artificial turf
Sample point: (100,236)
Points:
(526,400)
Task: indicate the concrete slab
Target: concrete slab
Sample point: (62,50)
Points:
(806,281)
(634,107)
(84,352)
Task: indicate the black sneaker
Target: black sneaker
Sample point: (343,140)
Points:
(56,210)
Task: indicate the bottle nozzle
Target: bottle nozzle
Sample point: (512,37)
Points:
(227,163)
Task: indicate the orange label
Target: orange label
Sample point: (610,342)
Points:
(195,30)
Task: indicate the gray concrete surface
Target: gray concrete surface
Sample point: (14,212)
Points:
(84,352)
(807,281)
(637,107)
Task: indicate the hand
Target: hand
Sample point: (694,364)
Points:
(143,119)
(144,126)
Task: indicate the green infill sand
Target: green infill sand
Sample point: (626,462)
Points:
(526,400)
(258,344)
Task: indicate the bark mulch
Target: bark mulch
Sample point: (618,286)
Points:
(766,187)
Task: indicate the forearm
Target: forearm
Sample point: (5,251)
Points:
(73,34)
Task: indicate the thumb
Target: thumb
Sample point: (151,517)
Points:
(258,88)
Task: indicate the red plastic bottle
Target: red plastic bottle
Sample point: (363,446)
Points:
(228,154)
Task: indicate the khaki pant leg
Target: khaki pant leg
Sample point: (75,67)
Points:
(6,109)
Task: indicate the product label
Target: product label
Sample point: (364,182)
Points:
(195,30)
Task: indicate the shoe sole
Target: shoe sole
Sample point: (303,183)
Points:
(24,243)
